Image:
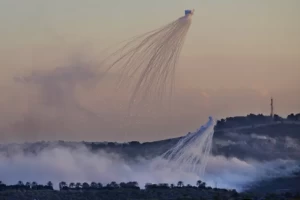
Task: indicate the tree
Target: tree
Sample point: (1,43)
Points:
(203,185)
(2,186)
(199,183)
(180,184)
(94,185)
(72,185)
(34,185)
(28,185)
(20,183)
(132,185)
(291,117)
(220,124)
(163,185)
(85,186)
(148,186)
(50,184)
(297,117)
(277,118)
(134,143)
(113,185)
(78,186)
(62,185)
(100,185)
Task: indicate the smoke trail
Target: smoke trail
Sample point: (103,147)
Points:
(150,60)
(55,107)
(58,86)
(191,153)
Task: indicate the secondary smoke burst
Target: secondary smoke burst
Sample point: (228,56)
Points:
(191,153)
(150,60)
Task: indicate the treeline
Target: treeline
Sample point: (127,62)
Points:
(98,186)
(294,117)
(27,186)
(126,191)
(252,120)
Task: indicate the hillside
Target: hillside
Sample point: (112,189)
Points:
(249,137)
(272,146)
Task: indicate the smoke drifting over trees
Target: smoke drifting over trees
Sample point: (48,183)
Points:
(239,158)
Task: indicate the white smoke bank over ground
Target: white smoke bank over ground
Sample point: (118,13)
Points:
(236,173)
(62,164)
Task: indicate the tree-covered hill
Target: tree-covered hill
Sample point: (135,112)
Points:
(257,131)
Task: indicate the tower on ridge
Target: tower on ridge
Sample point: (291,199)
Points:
(272,108)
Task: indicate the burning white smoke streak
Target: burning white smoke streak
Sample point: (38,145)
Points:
(191,152)
(152,59)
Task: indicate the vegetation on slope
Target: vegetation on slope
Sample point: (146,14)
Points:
(125,191)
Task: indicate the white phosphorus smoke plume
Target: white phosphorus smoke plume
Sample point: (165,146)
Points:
(150,60)
(191,153)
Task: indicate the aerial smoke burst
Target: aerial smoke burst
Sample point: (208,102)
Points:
(150,60)
(191,153)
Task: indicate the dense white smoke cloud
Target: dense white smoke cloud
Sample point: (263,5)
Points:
(238,174)
(63,164)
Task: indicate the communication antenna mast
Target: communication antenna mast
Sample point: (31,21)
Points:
(272,108)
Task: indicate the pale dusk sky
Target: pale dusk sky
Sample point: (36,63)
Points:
(237,55)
